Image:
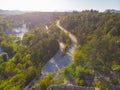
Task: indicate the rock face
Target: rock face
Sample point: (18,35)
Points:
(36,88)
(71,87)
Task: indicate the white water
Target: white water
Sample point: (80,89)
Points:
(20,31)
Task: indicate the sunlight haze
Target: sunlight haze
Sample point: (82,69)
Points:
(59,5)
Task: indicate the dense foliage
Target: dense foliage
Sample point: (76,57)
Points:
(26,62)
(60,37)
(96,62)
(33,19)
(98,35)
(21,60)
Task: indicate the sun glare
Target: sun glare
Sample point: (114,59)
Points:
(59,5)
(38,5)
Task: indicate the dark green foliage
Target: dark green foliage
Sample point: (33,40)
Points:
(98,36)
(3,57)
(26,63)
(26,56)
(39,45)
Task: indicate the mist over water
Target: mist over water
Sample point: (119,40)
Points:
(20,31)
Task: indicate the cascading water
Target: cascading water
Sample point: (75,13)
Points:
(20,31)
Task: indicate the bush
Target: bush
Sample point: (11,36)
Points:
(45,82)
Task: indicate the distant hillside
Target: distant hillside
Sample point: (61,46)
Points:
(34,19)
(112,10)
(11,12)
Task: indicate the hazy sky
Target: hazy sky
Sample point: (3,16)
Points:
(59,5)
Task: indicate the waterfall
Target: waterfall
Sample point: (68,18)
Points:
(20,31)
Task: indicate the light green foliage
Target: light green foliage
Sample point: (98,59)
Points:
(46,81)
(15,88)
(22,60)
